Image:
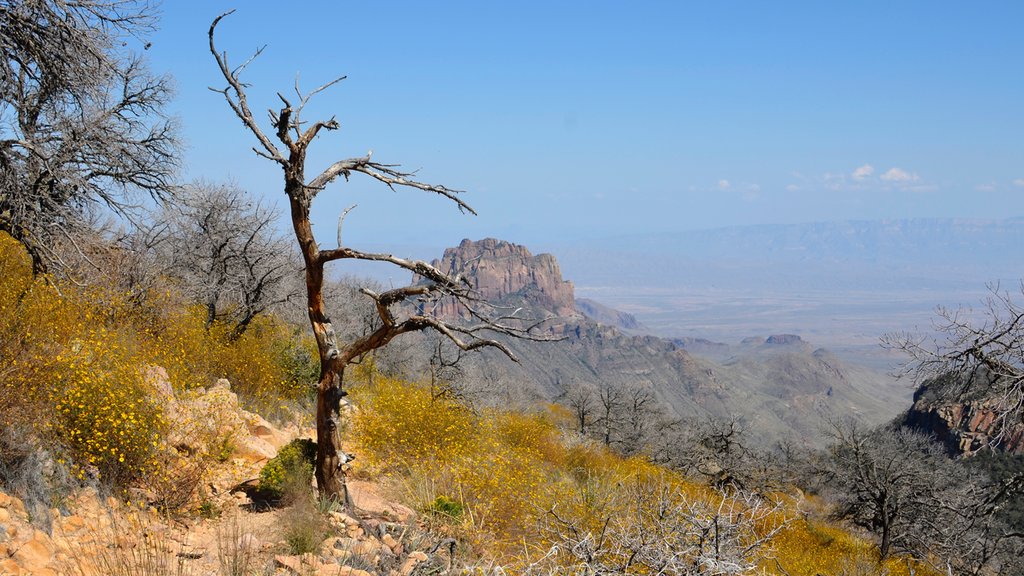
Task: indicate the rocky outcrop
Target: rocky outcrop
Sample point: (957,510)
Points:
(964,426)
(783,339)
(502,272)
(606,315)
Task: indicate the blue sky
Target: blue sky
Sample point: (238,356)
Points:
(571,121)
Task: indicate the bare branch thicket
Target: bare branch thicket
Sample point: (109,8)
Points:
(652,527)
(718,450)
(400,310)
(81,122)
(975,355)
(582,400)
(446,370)
(222,247)
(900,485)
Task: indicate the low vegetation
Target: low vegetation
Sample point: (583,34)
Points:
(81,372)
(521,490)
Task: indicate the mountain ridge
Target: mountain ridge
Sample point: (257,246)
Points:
(780,385)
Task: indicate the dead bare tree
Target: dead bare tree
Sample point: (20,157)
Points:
(974,356)
(446,370)
(400,310)
(222,247)
(899,484)
(81,121)
(581,399)
(610,402)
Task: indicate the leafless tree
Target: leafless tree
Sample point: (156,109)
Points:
(400,310)
(223,248)
(610,402)
(446,371)
(581,398)
(642,416)
(899,484)
(81,121)
(976,355)
(718,450)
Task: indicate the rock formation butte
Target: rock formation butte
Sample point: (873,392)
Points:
(500,271)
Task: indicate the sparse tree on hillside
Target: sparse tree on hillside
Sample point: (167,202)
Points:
(610,404)
(80,119)
(582,400)
(399,309)
(977,355)
(223,248)
(642,416)
(899,484)
(445,370)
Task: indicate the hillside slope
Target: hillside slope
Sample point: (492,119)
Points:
(780,386)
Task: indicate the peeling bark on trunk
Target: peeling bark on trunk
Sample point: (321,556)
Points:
(330,474)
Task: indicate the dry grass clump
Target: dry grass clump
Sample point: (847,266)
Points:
(129,543)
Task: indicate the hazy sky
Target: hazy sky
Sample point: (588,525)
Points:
(575,120)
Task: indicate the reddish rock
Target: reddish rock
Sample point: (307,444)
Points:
(497,270)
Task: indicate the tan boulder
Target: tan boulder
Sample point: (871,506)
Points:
(414,559)
(37,554)
(365,498)
(335,570)
(393,544)
(298,564)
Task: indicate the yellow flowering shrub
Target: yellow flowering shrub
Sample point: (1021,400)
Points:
(270,363)
(80,379)
(105,416)
(506,473)
(73,363)
(399,425)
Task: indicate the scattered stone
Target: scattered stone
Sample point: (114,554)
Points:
(390,541)
(414,559)
(298,564)
(249,543)
(333,570)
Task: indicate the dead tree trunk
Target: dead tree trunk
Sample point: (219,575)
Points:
(295,137)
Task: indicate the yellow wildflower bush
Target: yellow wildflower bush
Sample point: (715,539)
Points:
(269,365)
(73,365)
(400,425)
(105,415)
(77,375)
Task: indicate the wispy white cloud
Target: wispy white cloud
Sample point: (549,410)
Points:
(1019,182)
(792,188)
(985,187)
(863,172)
(899,175)
(723,184)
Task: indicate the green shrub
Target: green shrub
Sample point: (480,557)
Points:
(445,506)
(291,470)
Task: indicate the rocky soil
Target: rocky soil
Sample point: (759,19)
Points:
(93,535)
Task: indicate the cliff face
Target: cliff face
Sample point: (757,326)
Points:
(504,272)
(963,426)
